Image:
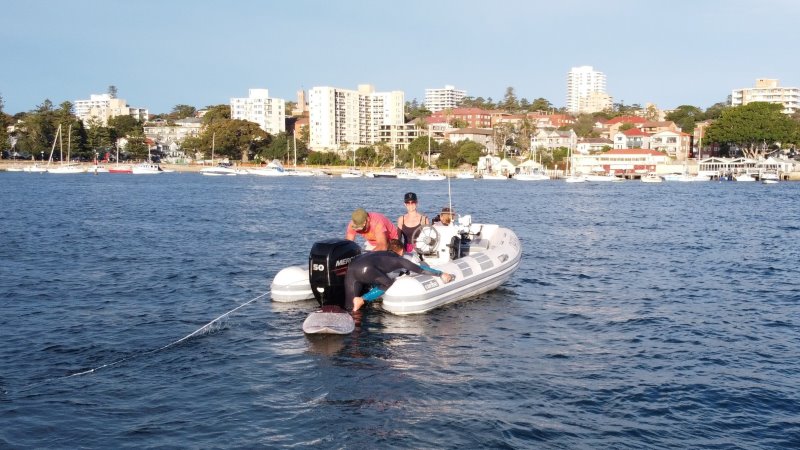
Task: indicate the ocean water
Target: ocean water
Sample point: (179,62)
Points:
(642,316)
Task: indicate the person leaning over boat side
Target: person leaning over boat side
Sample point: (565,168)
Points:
(406,222)
(373,268)
(374,227)
(444,217)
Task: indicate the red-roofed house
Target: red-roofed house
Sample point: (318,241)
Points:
(474,117)
(675,144)
(632,138)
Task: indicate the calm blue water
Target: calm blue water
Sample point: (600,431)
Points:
(642,316)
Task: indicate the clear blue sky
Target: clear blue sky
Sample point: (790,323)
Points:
(201,52)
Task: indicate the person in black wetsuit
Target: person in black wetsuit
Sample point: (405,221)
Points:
(372,269)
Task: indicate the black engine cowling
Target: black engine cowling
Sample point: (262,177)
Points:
(327,267)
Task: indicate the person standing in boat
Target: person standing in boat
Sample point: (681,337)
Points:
(445,217)
(372,269)
(373,226)
(411,221)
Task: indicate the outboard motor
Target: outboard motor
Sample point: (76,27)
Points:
(327,266)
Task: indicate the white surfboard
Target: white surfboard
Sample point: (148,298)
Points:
(329,320)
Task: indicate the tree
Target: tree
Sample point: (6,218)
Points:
(125,125)
(112,91)
(541,104)
(237,139)
(651,113)
(686,117)
(510,102)
(418,150)
(501,136)
(754,128)
(469,152)
(215,113)
(324,159)
(524,130)
(584,126)
(182,111)
(715,111)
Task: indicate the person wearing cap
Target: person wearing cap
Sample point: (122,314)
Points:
(373,226)
(445,217)
(372,269)
(411,221)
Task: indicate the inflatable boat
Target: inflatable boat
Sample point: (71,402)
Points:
(481,256)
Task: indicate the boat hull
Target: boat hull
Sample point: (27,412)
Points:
(475,274)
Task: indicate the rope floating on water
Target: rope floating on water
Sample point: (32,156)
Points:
(196,332)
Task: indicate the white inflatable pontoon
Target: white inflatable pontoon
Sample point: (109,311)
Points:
(481,256)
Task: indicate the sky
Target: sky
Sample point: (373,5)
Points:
(164,53)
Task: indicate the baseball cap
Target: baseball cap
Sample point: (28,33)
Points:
(410,197)
(359,218)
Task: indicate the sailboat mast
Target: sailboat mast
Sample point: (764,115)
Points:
(429,146)
(53,148)
(60,147)
(294,138)
(213,143)
(69,143)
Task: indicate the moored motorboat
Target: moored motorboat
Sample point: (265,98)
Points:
(219,169)
(120,169)
(145,169)
(531,176)
(431,175)
(652,177)
(481,256)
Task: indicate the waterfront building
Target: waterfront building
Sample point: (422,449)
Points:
(552,139)
(440,99)
(472,117)
(676,144)
(620,161)
(258,107)
(101,107)
(586,91)
(481,136)
(586,146)
(344,119)
(169,138)
(767,90)
(632,138)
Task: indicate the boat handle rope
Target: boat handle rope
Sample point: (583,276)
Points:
(205,328)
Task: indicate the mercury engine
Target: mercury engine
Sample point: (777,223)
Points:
(327,266)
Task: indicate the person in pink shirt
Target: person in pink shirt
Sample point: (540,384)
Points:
(374,227)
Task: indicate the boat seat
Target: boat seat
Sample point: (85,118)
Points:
(475,245)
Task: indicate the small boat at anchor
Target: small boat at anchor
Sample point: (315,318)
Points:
(481,256)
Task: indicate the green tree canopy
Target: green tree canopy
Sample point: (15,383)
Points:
(754,128)
(181,112)
(510,102)
(686,117)
(541,104)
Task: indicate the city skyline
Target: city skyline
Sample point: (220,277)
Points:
(201,53)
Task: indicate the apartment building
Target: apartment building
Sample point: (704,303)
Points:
(767,90)
(258,107)
(344,119)
(472,117)
(101,107)
(586,90)
(447,98)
